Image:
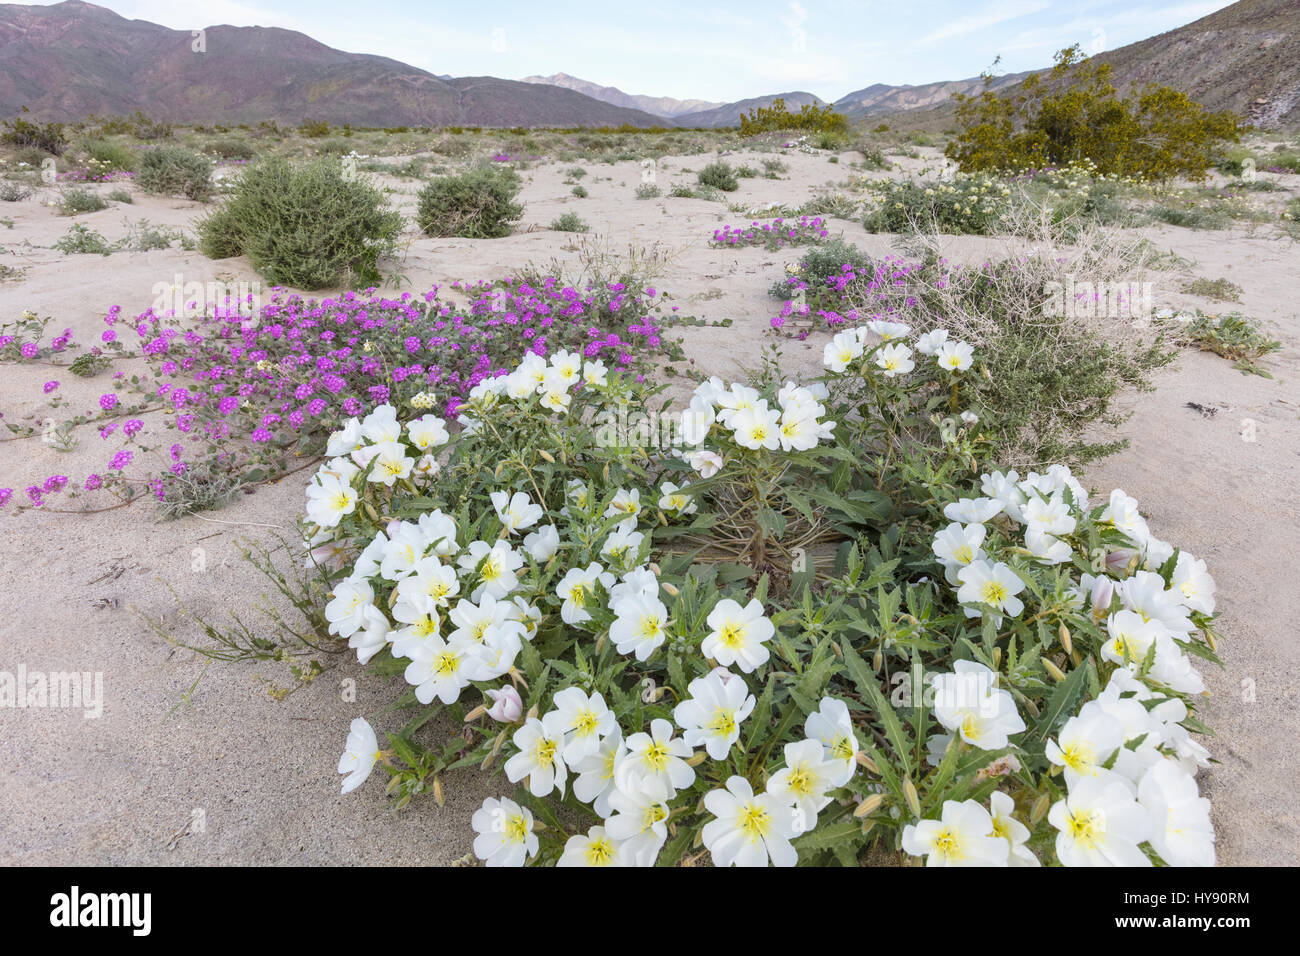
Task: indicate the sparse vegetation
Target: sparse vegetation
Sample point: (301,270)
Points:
(477,204)
(174,170)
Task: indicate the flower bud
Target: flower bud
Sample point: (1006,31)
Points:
(507,706)
(913,800)
(1103,590)
(1040,808)
(1063,633)
(869,805)
(1056,673)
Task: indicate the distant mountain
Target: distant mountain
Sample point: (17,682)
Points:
(72,59)
(880,99)
(664,106)
(729,114)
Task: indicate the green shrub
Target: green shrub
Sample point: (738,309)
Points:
(1233,336)
(810,118)
(1220,289)
(309,225)
(965,206)
(47,137)
(579,191)
(230,148)
(120,195)
(110,155)
(569,222)
(576,172)
(817,265)
(477,204)
(81,240)
(719,175)
(13,192)
(774,168)
(175,170)
(647,191)
(73,202)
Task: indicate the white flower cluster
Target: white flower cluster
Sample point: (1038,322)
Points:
(892,356)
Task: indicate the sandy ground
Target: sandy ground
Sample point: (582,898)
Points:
(230,773)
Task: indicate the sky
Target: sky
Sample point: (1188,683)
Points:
(721,51)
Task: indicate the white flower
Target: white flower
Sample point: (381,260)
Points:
(1005,825)
(595,373)
(757,427)
(1100,824)
(962,836)
(973,510)
(359,754)
(344,441)
(637,582)
(1123,514)
(627,501)
(496,566)
(1180,818)
(540,757)
(567,366)
(969,703)
(346,612)
(391,463)
(832,726)
(1131,638)
(957,546)
(800,431)
(542,544)
(1192,584)
(895,360)
(595,781)
(441,669)
(712,715)
(430,577)
(622,545)
(1051,515)
(577,589)
(706,462)
(655,756)
(586,721)
(406,546)
(427,432)
(637,821)
(928,344)
(556,400)
(381,425)
(804,781)
(593,848)
(674,499)
(507,706)
(954,356)
(889,331)
(639,621)
(737,634)
(329,499)
(1086,743)
(749,829)
(370,639)
(991,586)
(517,512)
(1145,593)
(841,351)
(505,833)
(439,531)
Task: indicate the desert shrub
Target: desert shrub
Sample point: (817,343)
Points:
(832,204)
(872,156)
(1191,217)
(648,191)
(1234,336)
(575,172)
(477,204)
(569,222)
(73,202)
(48,137)
(774,168)
(110,155)
(175,170)
(230,147)
(13,192)
(1222,289)
(119,195)
(809,119)
(82,240)
(681,191)
(965,205)
(719,175)
(144,236)
(310,225)
(812,275)
(1076,113)
(580,192)
(314,129)
(746,171)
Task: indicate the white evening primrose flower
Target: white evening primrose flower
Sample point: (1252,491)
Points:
(832,726)
(1100,824)
(1002,812)
(517,512)
(712,715)
(1180,817)
(841,351)
(626,502)
(1004,487)
(954,356)
(1050,514)
(969,703)
(595,373)
(675,500)
(737,635)
(586,721)
(430,577)
(757,427)
(889,331)
(637,582)
(749,829)
(593,848)
(1047,547)
(734,400)
(391,464)
(495,564)
(895,360)
(1130,638)
(344,441)
(805,780)
(370,639)
(567,366)
(1146,594)
(622,545)
(556,401)
(381,425)
(973,510)
(655,756)
(704,461)
(595,782)
(542,544)
(427,432)
(359,754)
(1122,514)
(442,670)
(639,624)
(529,377)
(638,821)
(577,589)
(439,531)
(505,833)
(991,586)
(928,344)
(960,837)
(1192,584)
(346,611)
(419,615)
(800,433)
(328,500)
(404,550)
(957,546)
(541,755)
(1086,743)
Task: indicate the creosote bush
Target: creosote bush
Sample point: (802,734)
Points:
(310,226)
(719,175)
(477,204)
(175,170)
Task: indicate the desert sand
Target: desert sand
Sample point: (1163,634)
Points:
(229,774)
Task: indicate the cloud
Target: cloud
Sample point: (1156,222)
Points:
(991,16)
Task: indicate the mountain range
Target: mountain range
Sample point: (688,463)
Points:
(72,59)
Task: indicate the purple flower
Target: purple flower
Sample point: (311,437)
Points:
(50,386)
(108,401)
(121,460)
